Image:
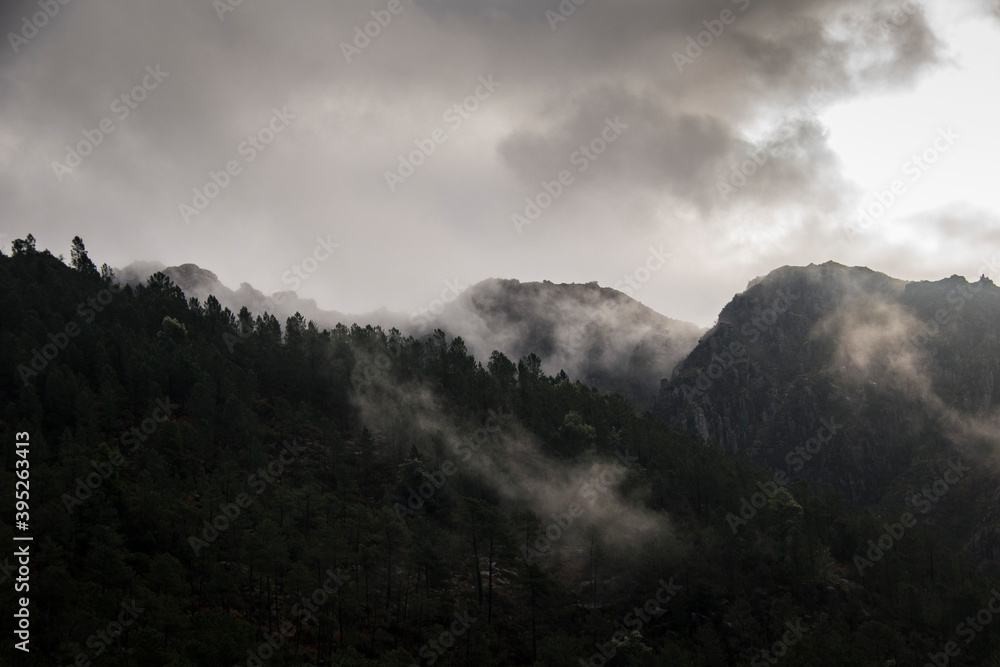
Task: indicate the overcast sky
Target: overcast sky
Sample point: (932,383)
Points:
(834,101)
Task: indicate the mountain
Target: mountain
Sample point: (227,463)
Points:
(348,496)
(597,335)
(845,376)
(200,283)
(838,376)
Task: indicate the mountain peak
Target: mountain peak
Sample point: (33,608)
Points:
(596,334)
(811,342)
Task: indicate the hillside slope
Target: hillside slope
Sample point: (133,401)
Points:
(597,335)
(848,377)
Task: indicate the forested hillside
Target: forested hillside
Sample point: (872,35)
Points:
(907,370)
(213,488)
(598,335)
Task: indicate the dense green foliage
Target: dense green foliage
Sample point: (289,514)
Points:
(325,433)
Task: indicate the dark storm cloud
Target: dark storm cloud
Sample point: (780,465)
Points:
(324,173)
(673,153)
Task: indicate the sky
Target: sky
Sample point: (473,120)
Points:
(379,154)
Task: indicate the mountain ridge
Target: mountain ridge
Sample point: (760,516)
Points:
(431,462)
(516,318)
(907,370)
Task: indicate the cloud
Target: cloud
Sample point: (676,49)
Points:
(507,461)
(325,173)
(898,345)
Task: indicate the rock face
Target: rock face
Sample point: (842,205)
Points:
(845,376)
(595,334)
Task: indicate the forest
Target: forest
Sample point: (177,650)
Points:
(212,488)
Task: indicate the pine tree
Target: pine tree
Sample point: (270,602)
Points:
(79,259)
